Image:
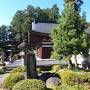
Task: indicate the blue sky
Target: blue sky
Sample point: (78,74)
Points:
(9,7)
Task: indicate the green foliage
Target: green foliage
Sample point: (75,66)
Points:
(3,32)
(54,13)
(55,55)
(69,77)
(69,37)
(19,69)
(12,79)
(17,22)
(4,35)
(47,15)
(30,84)
(38,70)
(56,68)
(74,87)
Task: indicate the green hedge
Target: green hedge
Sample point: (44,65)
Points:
(30,84)
(56,68)
(19,69)
(74,87)
(12,79)
(69,77)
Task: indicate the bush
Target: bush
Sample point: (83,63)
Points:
(69,77)
(12,79)
(74,87)
(30,84)
(19,69)
(39,70)
(56,68)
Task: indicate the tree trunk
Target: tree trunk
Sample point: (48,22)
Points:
(76,64)
(28,37)
(70,65)
(31,66)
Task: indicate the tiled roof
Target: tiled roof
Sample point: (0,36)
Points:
(43,27)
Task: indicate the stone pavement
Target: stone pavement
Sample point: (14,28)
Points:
(2,78)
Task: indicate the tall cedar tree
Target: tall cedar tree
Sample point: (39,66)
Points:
(69,37)
(16,23)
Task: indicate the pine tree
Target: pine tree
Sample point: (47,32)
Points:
(69,38)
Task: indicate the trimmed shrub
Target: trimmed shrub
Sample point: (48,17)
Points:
(12,79)
(30,84)
(74,87)
(88,77)
(56,68)
(69,77)
(19,69)
(38,70)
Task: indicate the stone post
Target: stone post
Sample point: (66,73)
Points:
(31,65)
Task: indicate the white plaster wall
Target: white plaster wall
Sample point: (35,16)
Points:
(79,59)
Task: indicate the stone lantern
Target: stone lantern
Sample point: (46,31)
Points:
(29,60)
